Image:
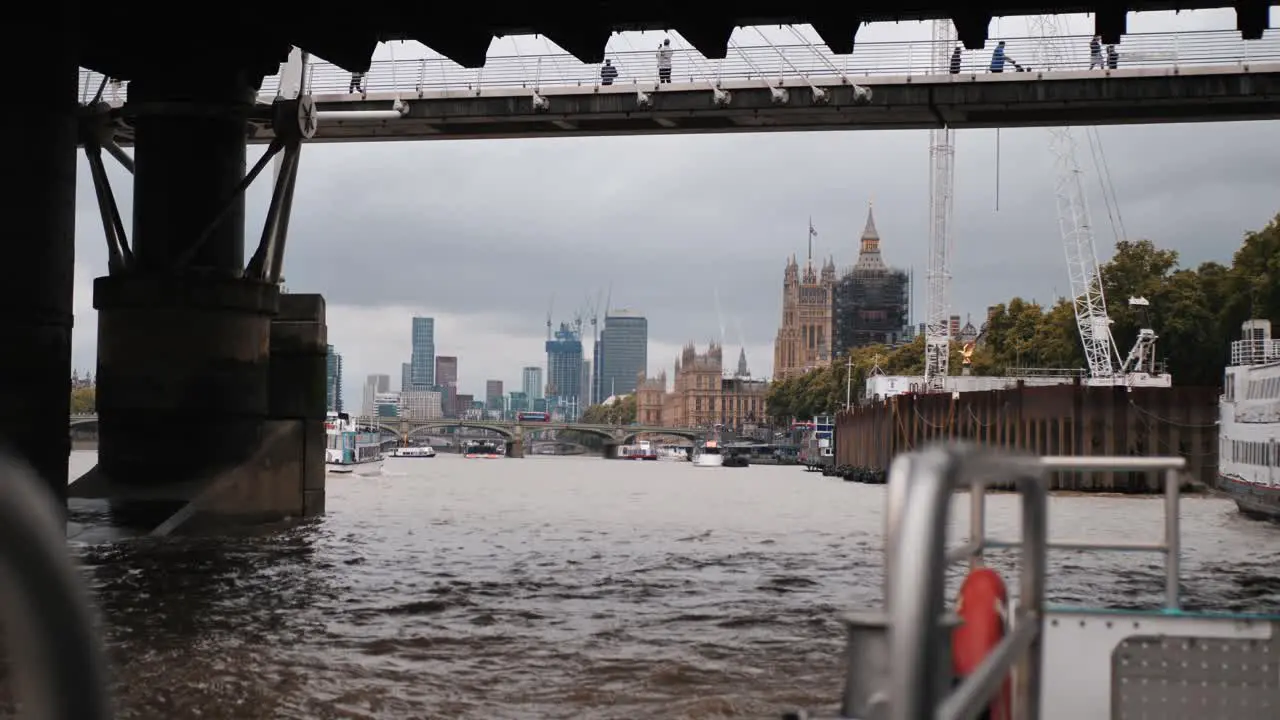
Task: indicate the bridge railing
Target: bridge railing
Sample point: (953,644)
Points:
(770,64)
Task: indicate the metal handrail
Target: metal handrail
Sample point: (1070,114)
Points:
(57,659)
(800,63)
(915,576)
(917,505)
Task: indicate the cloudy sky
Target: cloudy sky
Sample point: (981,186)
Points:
(479,234)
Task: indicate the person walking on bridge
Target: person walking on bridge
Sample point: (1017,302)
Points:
(357,83)
(664,61)
(955,61)
(998,58)
(608,73)
(1095,53)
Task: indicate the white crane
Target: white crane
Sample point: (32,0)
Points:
(1076,227)
(937,340)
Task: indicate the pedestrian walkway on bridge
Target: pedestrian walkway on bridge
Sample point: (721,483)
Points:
(765,63)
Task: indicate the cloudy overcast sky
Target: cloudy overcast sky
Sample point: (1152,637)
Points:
(479,234)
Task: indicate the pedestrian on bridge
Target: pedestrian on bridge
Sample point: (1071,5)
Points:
(357,83)
(998,58)
(664,61)
(608,73)
(1095,53)
(1113,57)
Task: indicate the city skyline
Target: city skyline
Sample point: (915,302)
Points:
(511,222)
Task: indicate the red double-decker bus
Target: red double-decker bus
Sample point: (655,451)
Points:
(533,417)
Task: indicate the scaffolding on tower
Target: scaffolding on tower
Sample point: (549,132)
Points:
(937,343)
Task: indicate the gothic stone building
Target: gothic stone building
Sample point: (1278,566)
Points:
(701,396)
(804,338)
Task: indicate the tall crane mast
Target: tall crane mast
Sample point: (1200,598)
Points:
(937,341)
(1076,226)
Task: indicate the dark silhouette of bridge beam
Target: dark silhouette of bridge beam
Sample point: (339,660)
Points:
(38,253)
(583,28)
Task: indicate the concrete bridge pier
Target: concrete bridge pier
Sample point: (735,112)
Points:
(210,385)
(610,450)
(515,445)
(38,253)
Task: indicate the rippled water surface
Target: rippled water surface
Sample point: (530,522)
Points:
(570,587)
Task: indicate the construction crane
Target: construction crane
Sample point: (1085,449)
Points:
(1105,365)
(550,306)
(937,339)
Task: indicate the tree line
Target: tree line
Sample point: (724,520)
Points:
(1196,312)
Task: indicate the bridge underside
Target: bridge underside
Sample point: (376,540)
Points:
(134,49)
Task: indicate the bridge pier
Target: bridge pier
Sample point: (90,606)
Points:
(609,450)
(210,383)
(515,448)
(38,204)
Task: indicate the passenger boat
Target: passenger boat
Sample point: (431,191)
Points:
(708,455)
(1249,423)
(348,446)
(481,450)
(425,451)
(642,450)
(989,655)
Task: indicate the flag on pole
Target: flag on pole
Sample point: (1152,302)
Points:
(812,232)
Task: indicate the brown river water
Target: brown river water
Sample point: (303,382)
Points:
(571,588)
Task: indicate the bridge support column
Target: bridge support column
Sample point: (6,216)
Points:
(610,450)
(38,255)
(189,419)
(515,448)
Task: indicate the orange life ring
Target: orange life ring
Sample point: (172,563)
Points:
(983,598)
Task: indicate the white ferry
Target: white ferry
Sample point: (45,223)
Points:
(426,451)
(709,455)
(1249,423)
(347,446)
(643,450)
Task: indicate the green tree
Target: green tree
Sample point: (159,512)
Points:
(621,412)
(83,401)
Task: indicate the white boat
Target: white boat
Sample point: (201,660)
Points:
(708,455)
(673,453)
(348,447)
(997,649)
(1249,423)
(642,450)
(425,451)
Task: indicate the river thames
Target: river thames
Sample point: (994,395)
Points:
(571,588)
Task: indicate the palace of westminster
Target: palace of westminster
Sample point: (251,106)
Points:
(869,303)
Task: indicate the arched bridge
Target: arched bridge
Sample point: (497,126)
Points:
(512,430)
(508,430)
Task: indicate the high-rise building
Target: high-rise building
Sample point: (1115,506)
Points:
(374,385)
(584,382)
(386,405)
(624,345)
(333,380)
(804,338)
(531,382)
(597,373)
(446,370)
(872,301)
(421,405)
(493,399)
(447,383)
(406,377)
(564,372)
(517,402)
(423,353)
